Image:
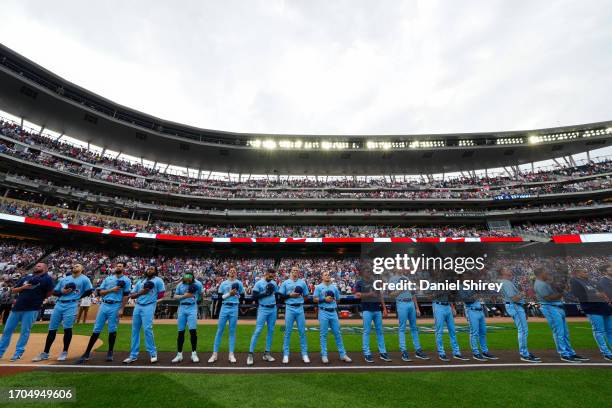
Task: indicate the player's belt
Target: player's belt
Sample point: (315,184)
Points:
(329,309)
(515,303)
(442,303)
(268,306)
(295,304)
(558,306)
(187,303)
(230,304)
(146,304)
(403,300)
(477,309)
(111,302)
(67,301)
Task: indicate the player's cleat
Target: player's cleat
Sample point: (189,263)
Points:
(153,359)
(15,358)
(570,359)
(63,355)
(368,358)
(268,357)
(194,357)
(580,358)
(420,354)
(129,360)
(231,358)
(84,358)
(489,356)
(109,356)
(479,357)
(535,357)
(212,358)
(460,357)
(324,360)
(305,359)
(384,357)
(405,356)
(443,357)
(285,359)
(41,357)
(178,358)
(346,359)
(607,357)
(531,359)
(250,359)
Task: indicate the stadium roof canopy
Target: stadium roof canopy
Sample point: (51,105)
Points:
(39,96)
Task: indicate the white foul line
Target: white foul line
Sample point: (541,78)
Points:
(302,368)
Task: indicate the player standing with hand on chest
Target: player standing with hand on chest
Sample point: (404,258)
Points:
(113,292)
(230,291)
(147,292)
(325,295)
(294,290)
(264,293)
(188,293)
(69,291)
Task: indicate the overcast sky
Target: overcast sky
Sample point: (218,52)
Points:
(341,67)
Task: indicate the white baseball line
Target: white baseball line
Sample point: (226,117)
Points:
(303,368)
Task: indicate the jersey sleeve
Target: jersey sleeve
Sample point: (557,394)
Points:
(159,285)
(337,292)
(128,286)
(317,292)
(305,287)
(180,290)
(87,284)
(241,288)
(58,285)
(283,289)
(136,287)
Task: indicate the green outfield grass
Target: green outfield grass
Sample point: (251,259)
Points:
(504,338)
(567,387)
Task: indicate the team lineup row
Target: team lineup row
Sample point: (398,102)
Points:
(116,289)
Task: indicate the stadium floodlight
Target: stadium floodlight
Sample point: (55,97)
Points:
(534,139)
(509,140)
(466,143)
(326,145)
(254,143)
(269,144)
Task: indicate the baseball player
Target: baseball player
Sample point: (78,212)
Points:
(595,305)
(326,294)
(515,307)
(264,292)
(294,291)
(31,291)
(69,291)
(372,311)
(147,292)
(444,315)
(188,293)
(474,313)
(407,311)
(113,293)
(552,307)
(230,291)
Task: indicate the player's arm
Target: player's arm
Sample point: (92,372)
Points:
(316,296)
(161,289)
(383,305)
(416,305)
(21,286)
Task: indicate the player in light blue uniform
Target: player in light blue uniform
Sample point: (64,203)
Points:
(69,291)
(294,290)
(113,292)
(264,292)
(326,294)
(552,307)
(474,314)
(444,315)
(188,293)
(407,312)
(230,291)
(147,292)
(515,307)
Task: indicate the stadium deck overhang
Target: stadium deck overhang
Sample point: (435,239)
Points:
(39,96)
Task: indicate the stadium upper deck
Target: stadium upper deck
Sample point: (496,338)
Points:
(37,95)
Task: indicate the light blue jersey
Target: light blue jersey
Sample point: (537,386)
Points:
(81,282)
(112,281)
(184,288)
(321,292)
(543,289)
(405,295)
(288,287)
(226,287)
(260,287)
(151,296)
(509,290)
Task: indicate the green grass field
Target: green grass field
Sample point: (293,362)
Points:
(540,338)
(542,387)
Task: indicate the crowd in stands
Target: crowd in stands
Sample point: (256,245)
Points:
(137,175)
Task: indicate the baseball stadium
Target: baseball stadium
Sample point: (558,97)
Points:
(146,262)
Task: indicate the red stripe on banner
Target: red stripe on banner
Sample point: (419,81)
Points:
(433,239)
(501,239)
(354,240)
(402,239)
(85,228)
(41,222)
(267,240)
(170,237)
(290,240)
(123,233)
(567,239)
